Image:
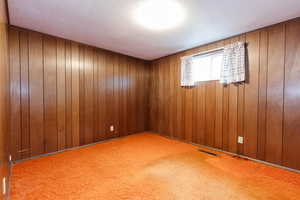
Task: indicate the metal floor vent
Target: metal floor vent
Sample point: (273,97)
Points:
(207,152)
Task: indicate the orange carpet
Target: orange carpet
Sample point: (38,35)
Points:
(149,167)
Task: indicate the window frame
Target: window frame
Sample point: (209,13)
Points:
(205,55)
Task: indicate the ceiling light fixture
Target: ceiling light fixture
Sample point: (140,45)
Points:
(159,14)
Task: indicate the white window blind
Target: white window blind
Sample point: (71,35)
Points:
(207,67)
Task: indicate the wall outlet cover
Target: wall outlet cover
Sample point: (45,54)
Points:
(111,128)
(4,185)
(241,140)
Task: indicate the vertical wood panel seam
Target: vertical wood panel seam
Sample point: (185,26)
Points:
(28,95)
(283,91)
(65,58)
(228,117)
(266,98)
(240,107)
(258,94)
(243,113)
(20,100)
(43,61)
(71,91)
(57,131)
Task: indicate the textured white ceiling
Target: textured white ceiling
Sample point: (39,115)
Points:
(109,24)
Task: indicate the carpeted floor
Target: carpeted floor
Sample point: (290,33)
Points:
(149,167)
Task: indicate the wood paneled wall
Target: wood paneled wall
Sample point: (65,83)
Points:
(65,94)
(265,110)
(4,100)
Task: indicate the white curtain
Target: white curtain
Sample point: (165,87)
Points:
(233,68)
(187,77)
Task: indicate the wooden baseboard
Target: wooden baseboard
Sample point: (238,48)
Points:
(73,148)
(233,154)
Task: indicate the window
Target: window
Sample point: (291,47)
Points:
(207,67)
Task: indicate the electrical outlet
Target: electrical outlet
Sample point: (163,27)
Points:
(4,186)
(241,140)
(111,128)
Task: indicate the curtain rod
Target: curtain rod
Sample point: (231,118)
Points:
(210,51)
(207,52)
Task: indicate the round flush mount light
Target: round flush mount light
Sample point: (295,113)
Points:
(159,14)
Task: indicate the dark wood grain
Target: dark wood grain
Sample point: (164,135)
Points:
(262,102)
(25,146)
(75,94)
(251,95)
(82,105)
(210,113)
(15,108)
(50,93)
(291,135)
(109,94)
(116,97)
(61,94)
(275,93)
(102,120)
(5,100)
(88,97)
(36,93)
(201,113)
(95,96)
(263,110)
(67,94)
(123,96)
(172,100)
